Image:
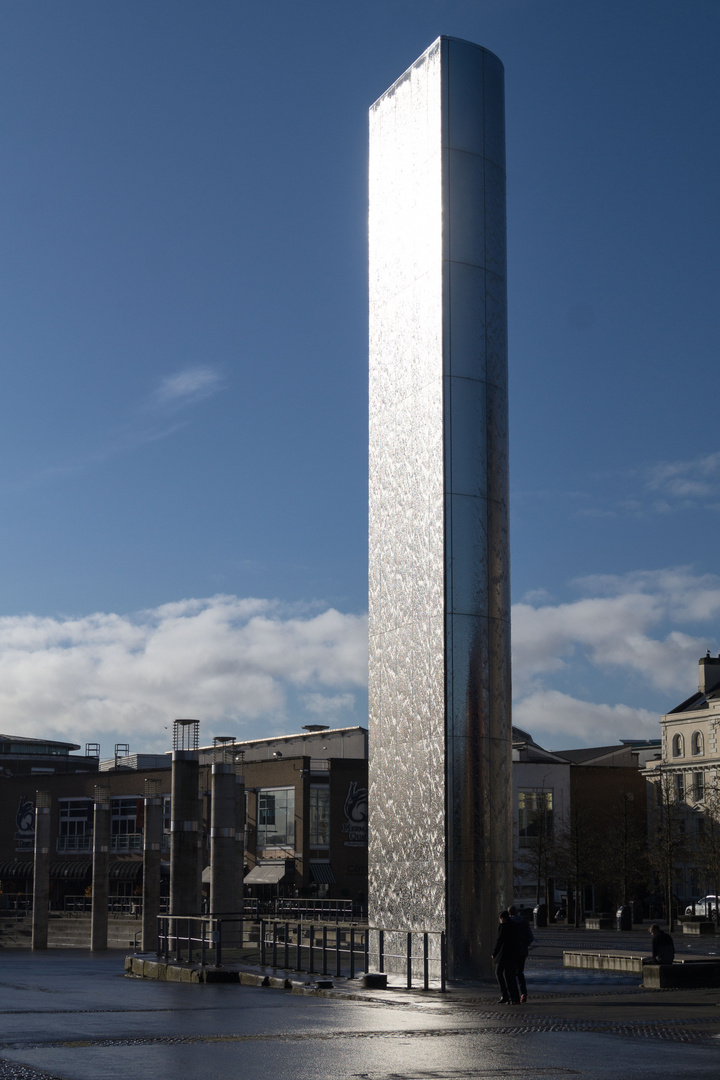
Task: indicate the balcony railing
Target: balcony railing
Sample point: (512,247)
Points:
(74,843)
(121,842)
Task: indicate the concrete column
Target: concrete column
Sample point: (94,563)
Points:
(226,839)
(185,835)
(100,870)
(152,841)
(41,878)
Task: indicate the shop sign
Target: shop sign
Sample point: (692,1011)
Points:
(355,826)
(25,825)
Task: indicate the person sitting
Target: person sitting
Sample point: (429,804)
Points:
(663,946)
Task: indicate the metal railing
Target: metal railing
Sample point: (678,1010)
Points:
(327,910)
(325,950)
(397,950)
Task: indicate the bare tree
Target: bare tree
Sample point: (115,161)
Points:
(577,853)
(536,826)
(668,840)
(622,857)
(707,843)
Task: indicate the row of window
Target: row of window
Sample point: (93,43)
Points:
(697,745)
(275,818)
(686,786)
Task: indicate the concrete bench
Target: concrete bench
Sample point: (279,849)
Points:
(687,972)
(699,927)
(599,922)
(615,960)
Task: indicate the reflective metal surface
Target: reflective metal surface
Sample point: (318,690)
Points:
(440,812)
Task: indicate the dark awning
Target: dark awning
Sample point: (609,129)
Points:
(18,870)
(71,871)
(266,874)
(126,870)
(321,873)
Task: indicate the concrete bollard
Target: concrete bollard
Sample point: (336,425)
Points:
(41,871)
(100,870)
(152,840)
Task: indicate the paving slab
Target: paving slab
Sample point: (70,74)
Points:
(75,1016)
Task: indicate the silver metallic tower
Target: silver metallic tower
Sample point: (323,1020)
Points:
(440,768)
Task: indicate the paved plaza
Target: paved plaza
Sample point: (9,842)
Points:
(74,1015)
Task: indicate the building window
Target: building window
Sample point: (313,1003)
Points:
(698,786)
(697,742)
(535,816)
(679,787)
(75,825)
(678,749)
(320,816)
(276,817)
(124,832)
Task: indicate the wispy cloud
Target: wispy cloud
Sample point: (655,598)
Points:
(662,488)
(246,665)
(187,387)
(164,411)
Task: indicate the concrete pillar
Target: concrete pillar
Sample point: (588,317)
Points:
(41,878)
(185,835)
(226,839)
(100,870)
(152,841)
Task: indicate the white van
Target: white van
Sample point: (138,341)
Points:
(707,907)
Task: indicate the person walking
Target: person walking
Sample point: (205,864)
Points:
(525,939)
(505,954)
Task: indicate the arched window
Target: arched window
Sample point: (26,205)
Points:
(678,749)
(697,742)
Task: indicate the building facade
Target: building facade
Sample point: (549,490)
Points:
(685,784)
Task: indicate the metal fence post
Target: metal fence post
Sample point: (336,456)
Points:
(274,945)
(262,942)
(409,960)
(366,948)
(338,959)
(311,940)
(298,954)
(381,951)
(287,945)
(442,961)
(218,943)
(426,966)
(352,952)
(324,950)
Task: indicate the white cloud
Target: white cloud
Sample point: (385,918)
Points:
(648,626)
(224,660)
(622,629)
(585,722)
(187,386)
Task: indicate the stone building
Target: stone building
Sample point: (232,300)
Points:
(686,777)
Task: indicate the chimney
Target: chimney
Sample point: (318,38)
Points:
(709,673)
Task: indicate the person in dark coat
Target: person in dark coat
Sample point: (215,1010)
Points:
(663,946)
(506,954)
(525,940)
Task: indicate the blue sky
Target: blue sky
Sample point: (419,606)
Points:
(183,423)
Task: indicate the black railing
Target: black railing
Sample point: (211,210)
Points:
(329,949)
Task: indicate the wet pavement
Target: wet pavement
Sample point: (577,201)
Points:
(75,1016)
